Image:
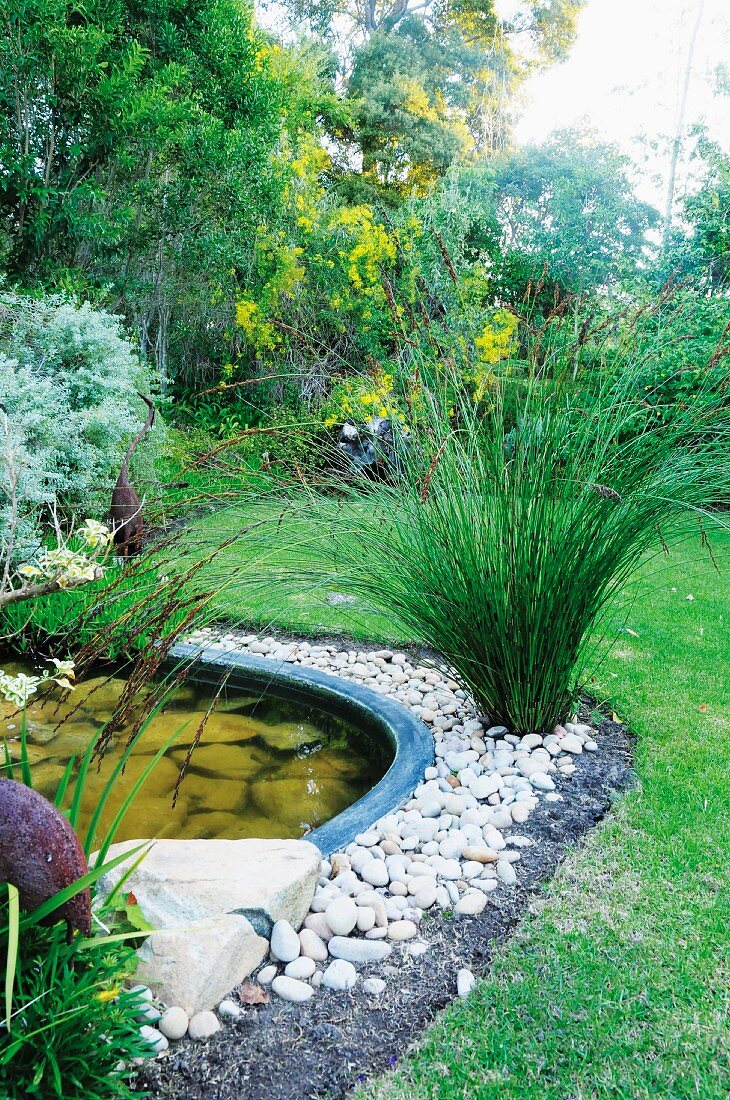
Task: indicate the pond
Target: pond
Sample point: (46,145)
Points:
(264,767)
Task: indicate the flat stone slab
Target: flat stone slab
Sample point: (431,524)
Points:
(212,904)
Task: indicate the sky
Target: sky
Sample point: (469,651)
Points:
(624,76)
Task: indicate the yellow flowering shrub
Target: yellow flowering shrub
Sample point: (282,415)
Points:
(362,397)
(495,343)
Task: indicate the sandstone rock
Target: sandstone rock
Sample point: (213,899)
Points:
(212,904)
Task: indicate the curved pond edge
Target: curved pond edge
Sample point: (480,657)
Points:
(410,739)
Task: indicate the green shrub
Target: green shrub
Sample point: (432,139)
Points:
(74,1033)
(68,385)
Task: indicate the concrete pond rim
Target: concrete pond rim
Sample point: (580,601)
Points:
(412,742)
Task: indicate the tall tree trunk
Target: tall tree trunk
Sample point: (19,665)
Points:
(678,133)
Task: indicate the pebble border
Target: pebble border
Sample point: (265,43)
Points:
(449,846)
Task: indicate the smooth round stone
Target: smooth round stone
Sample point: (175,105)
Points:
(542,782)
(480,853)
(203,1025)
(154,1038)
(506,872)
(418,948)
(449,869)
(398,890)
(359,951)
(365,918)
(291,989)
(368,840)
(174,1022)
(284,941)
(520,812)
(376,873)
(267,975)
(471,869)
(425,894)
(230,1010)
(484,786)
(591,746)
(377,933)
(531,741)
(402,930)
(144,993)
(311,945)
(341,915)
(147,1014)
(301,968)
(390,847)
(465,982)
(571,743)
(470,905)
(340,975)
(373,986)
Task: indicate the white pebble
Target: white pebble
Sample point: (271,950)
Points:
(290,989)
(341,916)
(465,982)
(203,1025)
(339,975)
(174,1022)
(301,968)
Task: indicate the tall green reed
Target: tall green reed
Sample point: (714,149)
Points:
(512,525)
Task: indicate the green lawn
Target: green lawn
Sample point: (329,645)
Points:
(618,984)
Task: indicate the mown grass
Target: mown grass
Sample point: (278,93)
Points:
(618,984)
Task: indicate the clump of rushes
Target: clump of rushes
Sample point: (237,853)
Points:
(509,532)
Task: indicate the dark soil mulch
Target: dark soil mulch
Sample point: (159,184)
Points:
(325,1047)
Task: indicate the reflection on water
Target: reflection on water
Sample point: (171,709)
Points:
(263,768)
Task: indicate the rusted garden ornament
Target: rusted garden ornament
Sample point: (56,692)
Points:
(40,854)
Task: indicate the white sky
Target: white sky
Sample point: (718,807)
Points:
(624,75)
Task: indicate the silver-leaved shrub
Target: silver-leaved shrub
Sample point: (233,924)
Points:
(68,409)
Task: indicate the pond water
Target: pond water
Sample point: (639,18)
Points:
(264,767)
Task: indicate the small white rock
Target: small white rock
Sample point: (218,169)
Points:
(154,1038)
(291,989)
(340,975)
(285,941)
(203,1025)
(465,982)
(341,915)
(301,968)
(402,930)
(230,1010)
(373,986)
(267,975)
(174,1022)
(470,904)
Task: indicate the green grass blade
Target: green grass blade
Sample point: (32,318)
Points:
(63,784)
(142,778)
(25,772)
(12,958)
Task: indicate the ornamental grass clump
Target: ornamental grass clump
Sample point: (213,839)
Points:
(504,540)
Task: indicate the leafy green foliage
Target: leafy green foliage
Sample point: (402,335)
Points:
(74,1031)
(138,145)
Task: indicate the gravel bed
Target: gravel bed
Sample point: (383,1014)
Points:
(432,888)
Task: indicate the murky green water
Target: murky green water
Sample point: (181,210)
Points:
(263,767)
